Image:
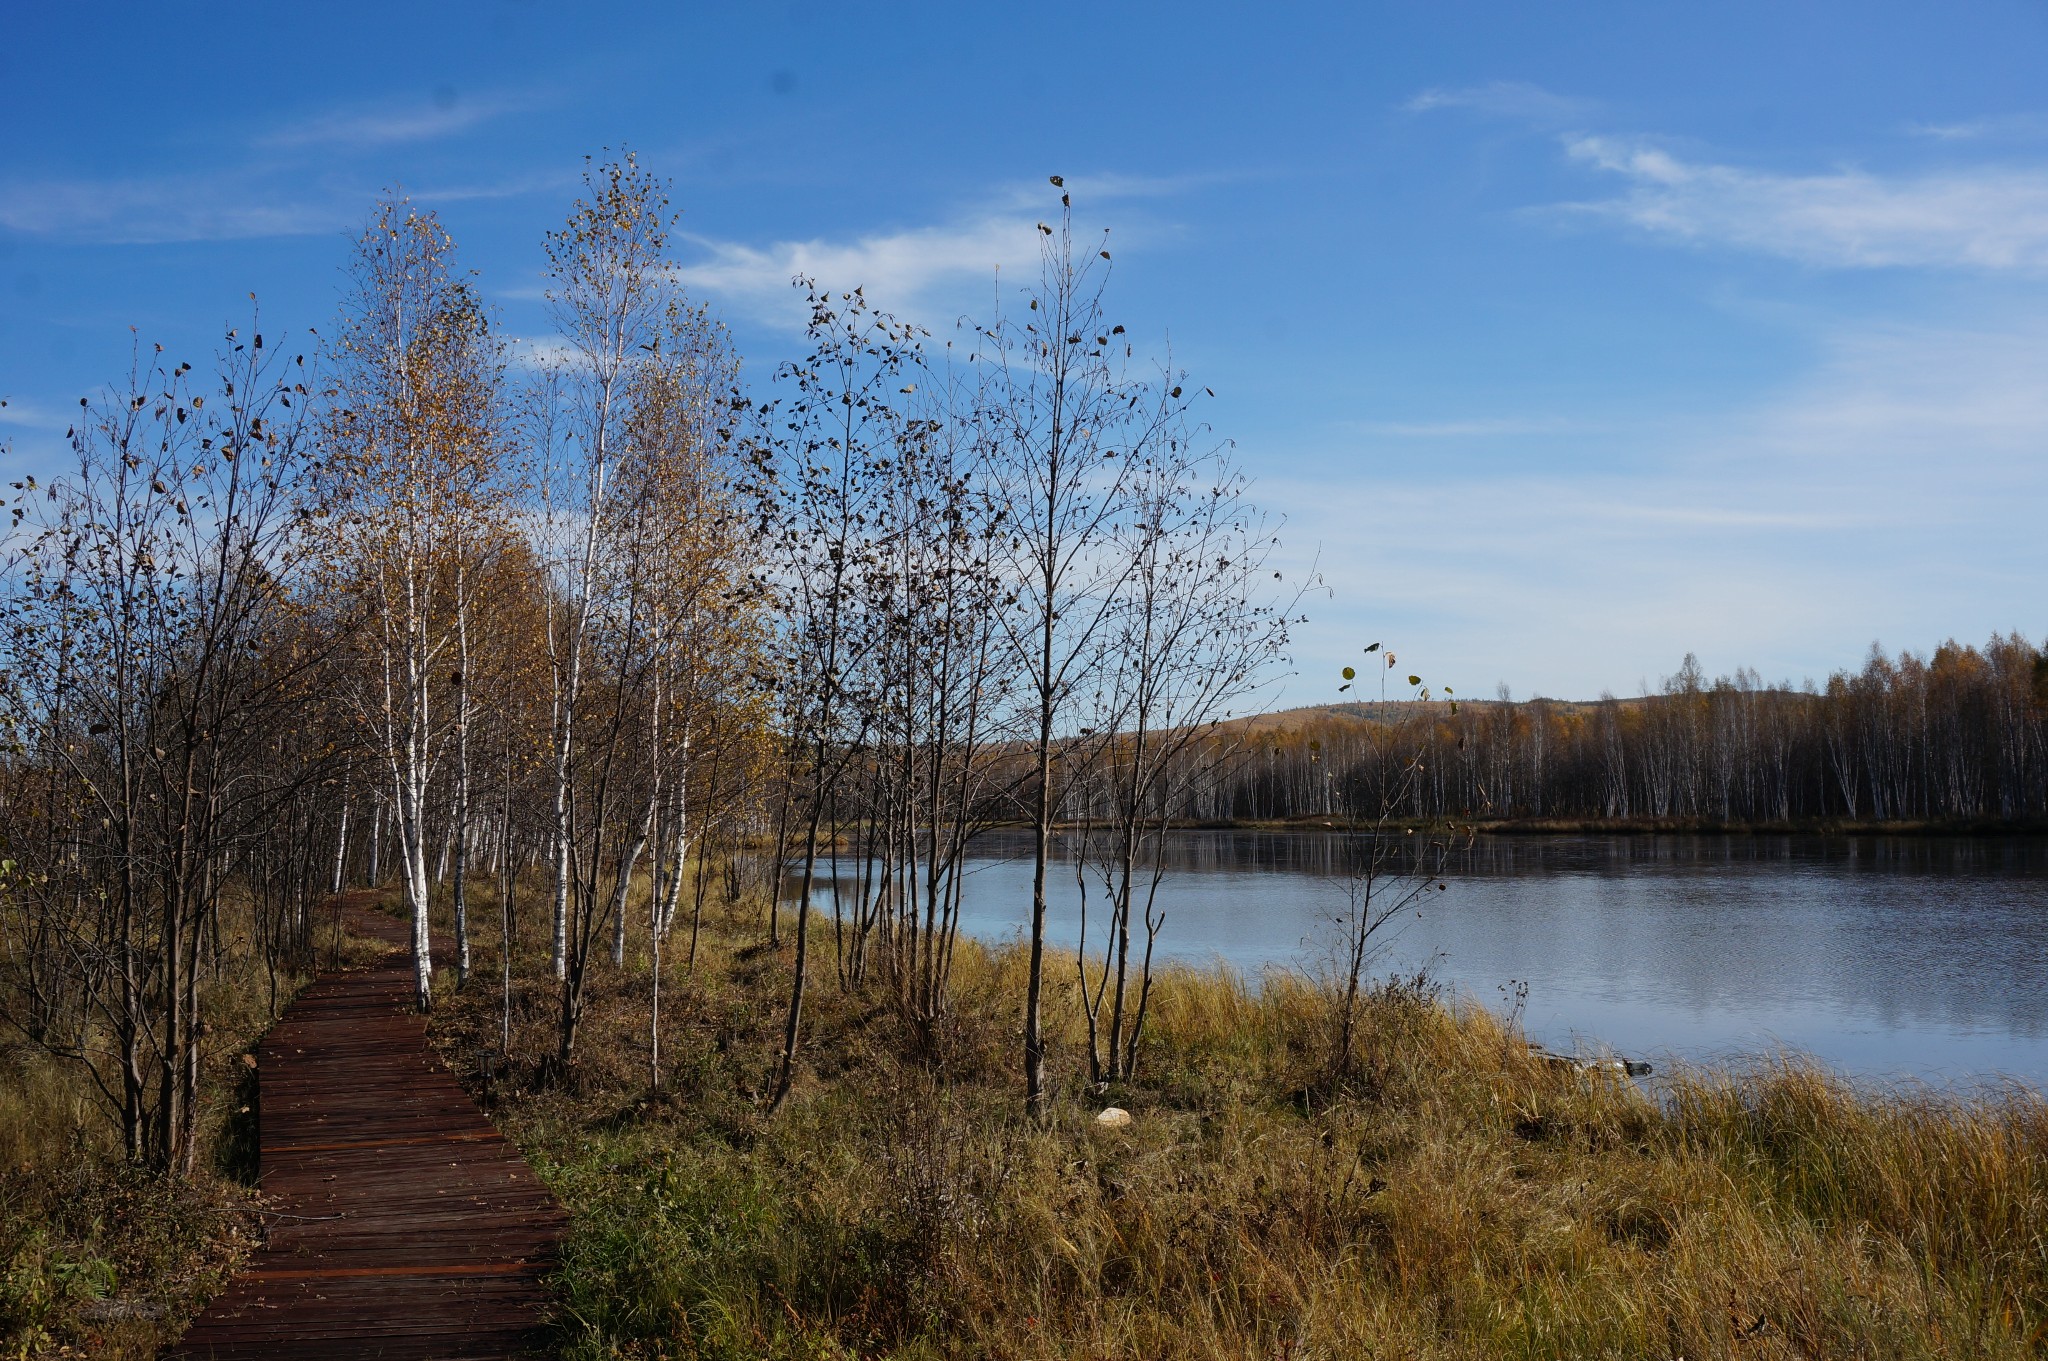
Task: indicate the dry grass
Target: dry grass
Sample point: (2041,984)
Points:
(98,1258)
(1454,1197)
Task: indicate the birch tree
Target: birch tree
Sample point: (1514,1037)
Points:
(415,448)
(1196,629)
(139,599)
(607,294)
(631,414)
(819,484)
(1068,422)
(944,699)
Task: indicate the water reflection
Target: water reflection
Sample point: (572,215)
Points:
(1880,955)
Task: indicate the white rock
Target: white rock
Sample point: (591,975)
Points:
(1114,1117)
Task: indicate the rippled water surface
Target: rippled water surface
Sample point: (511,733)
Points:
(1882,956)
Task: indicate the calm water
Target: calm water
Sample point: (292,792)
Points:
(1882,956)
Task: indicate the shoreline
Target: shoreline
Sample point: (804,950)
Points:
(1913,827)
(1937,828)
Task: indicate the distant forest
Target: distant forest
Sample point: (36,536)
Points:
(1961,735)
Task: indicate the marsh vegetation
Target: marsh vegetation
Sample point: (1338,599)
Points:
(1448,1192)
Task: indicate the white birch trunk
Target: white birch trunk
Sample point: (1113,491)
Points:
(341,841)
(460,819)
(410,773)
(569,687)
(665,910)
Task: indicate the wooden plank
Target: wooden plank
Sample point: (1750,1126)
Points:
(407,1227)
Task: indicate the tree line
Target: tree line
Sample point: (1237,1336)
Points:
(408,603)
(1959,735)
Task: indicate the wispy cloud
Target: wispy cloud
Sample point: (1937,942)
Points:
(220,207)
(1999,127)
(379,125)
(922,272)
(1989,218)
(1891,493)
(1038,196)
(1471,428)
(512,187)
(1958,409)
(229,205)
(1507,99)
(262,191)
(1633,517)
(539,352)
(902,270)
(29,416)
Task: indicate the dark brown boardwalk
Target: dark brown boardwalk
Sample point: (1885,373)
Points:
(413,1228)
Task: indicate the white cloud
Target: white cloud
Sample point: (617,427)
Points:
(225,206)
(1506,99)
(934,273)
(1039,197)
(254,199)
(385,124)
(29,416)
(1627,517)
(1893,402)
(2000,127)
(1475,428)
(512,187)
(903,270)
(1891,493)
(541,352)
(1988,218)
(171,208)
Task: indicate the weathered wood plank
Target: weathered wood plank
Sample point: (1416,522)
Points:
(407,1226)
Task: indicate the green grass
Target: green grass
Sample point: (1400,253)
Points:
(1453,1197)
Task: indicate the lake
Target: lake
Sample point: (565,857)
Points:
(1881,956)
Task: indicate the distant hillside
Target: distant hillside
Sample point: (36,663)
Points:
(1395,712)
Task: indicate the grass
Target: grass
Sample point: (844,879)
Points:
(101,1259)
(1454,1196)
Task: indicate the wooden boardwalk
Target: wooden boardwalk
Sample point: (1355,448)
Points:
(407,1227)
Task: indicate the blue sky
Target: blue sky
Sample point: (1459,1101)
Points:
(1567,338)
